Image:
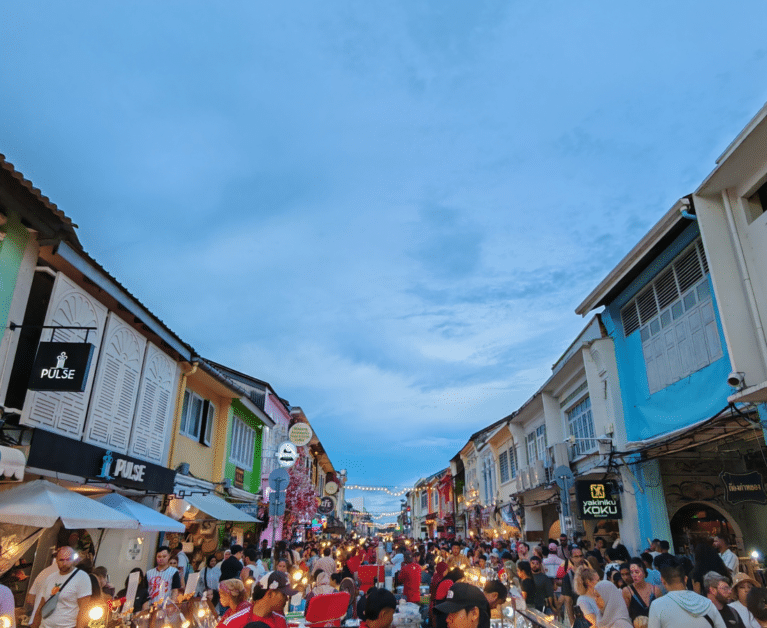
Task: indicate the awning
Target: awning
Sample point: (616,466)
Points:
(12,463)
(217,508)
(41,503)
(149,520)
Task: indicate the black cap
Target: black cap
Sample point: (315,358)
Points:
(463,595)
(279,581)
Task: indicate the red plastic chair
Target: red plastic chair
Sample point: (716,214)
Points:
(368,574)
(327,611)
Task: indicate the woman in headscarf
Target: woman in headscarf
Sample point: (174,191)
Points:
(321,586)
(610,602)
(347,584)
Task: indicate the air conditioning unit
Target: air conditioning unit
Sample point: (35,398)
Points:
(561,455)
(537,473)
(524,475)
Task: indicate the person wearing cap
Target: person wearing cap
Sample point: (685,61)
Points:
(270,598)
(741,584)
(466,607)
(552,562)
(234,597)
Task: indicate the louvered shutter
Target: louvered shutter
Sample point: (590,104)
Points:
(110,416)
(712,331)
(155,406)
(64,412)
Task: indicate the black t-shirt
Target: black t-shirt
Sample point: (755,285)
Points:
(528,588)
(230,568)
(731,618)
(543,589)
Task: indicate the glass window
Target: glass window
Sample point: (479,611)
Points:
(581,425)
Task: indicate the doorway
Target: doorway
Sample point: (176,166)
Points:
(696,523)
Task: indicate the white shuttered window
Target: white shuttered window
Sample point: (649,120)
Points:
(676,320)
(243,443)
(154,406)
(110,416)
(64,412)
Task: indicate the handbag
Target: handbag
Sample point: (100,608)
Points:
(50,604)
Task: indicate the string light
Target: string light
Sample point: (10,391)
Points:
(356,487)
(374,515)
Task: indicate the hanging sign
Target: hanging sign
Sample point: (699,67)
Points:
(744,487)
(61,366)
(327,505)
(287,454)
(300,434)
(598,500)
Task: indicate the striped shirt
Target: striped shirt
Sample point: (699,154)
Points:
(161,583)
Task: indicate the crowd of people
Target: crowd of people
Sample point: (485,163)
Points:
(454,584)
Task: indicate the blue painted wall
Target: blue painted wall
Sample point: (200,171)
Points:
(697,397)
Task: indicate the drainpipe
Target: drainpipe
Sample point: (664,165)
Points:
(180,406)
(753,310)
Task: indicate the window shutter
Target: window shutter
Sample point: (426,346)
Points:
(64,412)
(154,406)
(712,331)
(110,416)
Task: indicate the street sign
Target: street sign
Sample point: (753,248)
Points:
(287,454)
(564,478)
(276,509)
(327,505)
(279,479)
(300,434)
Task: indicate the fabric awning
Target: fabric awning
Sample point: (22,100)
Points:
(149,520)
(218,509)
(40,503)
(12,463)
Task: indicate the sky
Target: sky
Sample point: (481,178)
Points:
(387,210)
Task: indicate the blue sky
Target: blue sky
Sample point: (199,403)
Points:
(388,210)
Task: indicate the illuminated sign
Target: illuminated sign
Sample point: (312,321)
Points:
(598,500)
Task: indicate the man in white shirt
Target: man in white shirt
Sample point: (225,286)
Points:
(728,556)
(680,607)
(36,588)
(74,591)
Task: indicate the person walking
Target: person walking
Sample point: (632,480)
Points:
(72,589)
(718,591)
(614,613)
(639,594)
(234,598)
(680,607)
(741,584)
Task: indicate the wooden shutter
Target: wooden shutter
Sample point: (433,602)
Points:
(110,416)
(64,412)
(155,406)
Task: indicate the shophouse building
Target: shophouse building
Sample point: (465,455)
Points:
(686,445)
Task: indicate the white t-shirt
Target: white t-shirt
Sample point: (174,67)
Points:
(730,559)
(65,615)
(37,586)
(749,621)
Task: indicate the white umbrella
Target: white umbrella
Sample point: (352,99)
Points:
(149,520)
(40,503)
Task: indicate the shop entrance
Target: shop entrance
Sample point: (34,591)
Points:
(695,523)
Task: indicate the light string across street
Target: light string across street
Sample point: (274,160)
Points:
(384,489)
